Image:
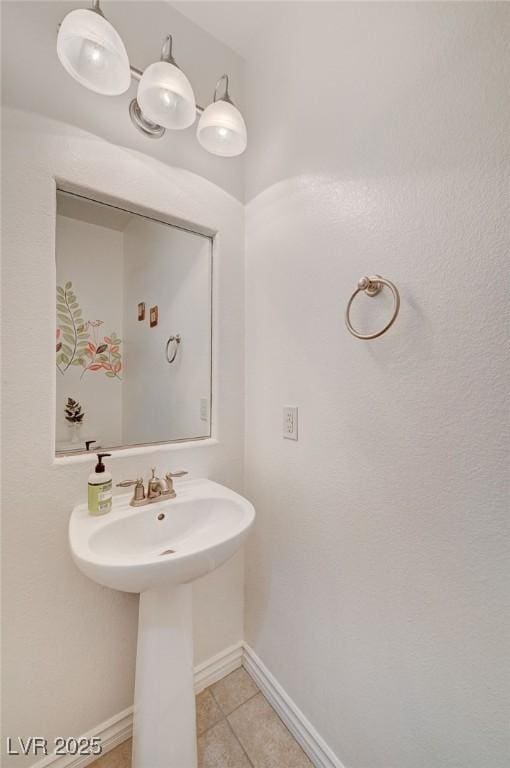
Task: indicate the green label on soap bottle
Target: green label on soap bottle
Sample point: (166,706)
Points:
(100,498)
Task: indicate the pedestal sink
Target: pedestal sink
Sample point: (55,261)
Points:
(157,550)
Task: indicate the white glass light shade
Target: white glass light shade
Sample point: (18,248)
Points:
(166,97)
(222,130)
(92,52)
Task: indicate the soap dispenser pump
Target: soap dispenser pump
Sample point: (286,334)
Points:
(100,488)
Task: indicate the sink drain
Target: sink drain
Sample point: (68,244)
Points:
(167,552)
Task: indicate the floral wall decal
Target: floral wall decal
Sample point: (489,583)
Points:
(104,356)
(76,345)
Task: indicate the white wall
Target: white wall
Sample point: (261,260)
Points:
(168,268)
(379,143)
(69,644)
(92,258)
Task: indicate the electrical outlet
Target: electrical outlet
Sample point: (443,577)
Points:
(204,408)
(290,418)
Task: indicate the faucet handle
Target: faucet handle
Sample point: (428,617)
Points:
(169,477)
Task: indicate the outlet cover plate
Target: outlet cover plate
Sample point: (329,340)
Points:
(290,422)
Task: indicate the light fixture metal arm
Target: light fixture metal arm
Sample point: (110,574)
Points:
(226,95)
(136,74)
(97,8)
(166,50)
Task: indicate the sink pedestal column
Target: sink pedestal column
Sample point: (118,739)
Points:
(164,731)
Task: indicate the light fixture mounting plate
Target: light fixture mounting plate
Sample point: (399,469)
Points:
(147,127)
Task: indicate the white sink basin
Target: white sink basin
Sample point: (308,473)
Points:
(130,549)
(157,549)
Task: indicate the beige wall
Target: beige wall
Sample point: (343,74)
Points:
(378,569)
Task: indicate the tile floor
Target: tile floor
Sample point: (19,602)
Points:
(236,728)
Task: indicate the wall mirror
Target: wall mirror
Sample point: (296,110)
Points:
(133,329)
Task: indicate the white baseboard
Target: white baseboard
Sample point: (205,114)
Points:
(302,730)
(218,666)
(112,732)
(119,728)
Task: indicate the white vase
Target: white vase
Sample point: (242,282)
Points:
(75,432)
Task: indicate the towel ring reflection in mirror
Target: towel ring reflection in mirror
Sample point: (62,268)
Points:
(371,287)
(176,340)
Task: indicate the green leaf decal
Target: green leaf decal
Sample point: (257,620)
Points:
(69,318)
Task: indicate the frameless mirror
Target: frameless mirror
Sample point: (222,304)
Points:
(133,337)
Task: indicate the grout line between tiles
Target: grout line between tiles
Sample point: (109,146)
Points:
(225,717)
(244,702)
(238,706)
(238,741)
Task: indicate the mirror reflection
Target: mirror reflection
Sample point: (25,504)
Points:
(133,335)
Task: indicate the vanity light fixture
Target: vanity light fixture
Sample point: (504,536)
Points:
(221,129)
(92,52)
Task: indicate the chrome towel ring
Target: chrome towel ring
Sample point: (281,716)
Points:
(176,340)
(372,286)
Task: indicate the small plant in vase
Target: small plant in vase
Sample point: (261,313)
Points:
(74,417)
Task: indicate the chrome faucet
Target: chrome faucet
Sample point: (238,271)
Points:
(157,489)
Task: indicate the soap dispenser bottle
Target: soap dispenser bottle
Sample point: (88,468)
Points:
(100,488)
